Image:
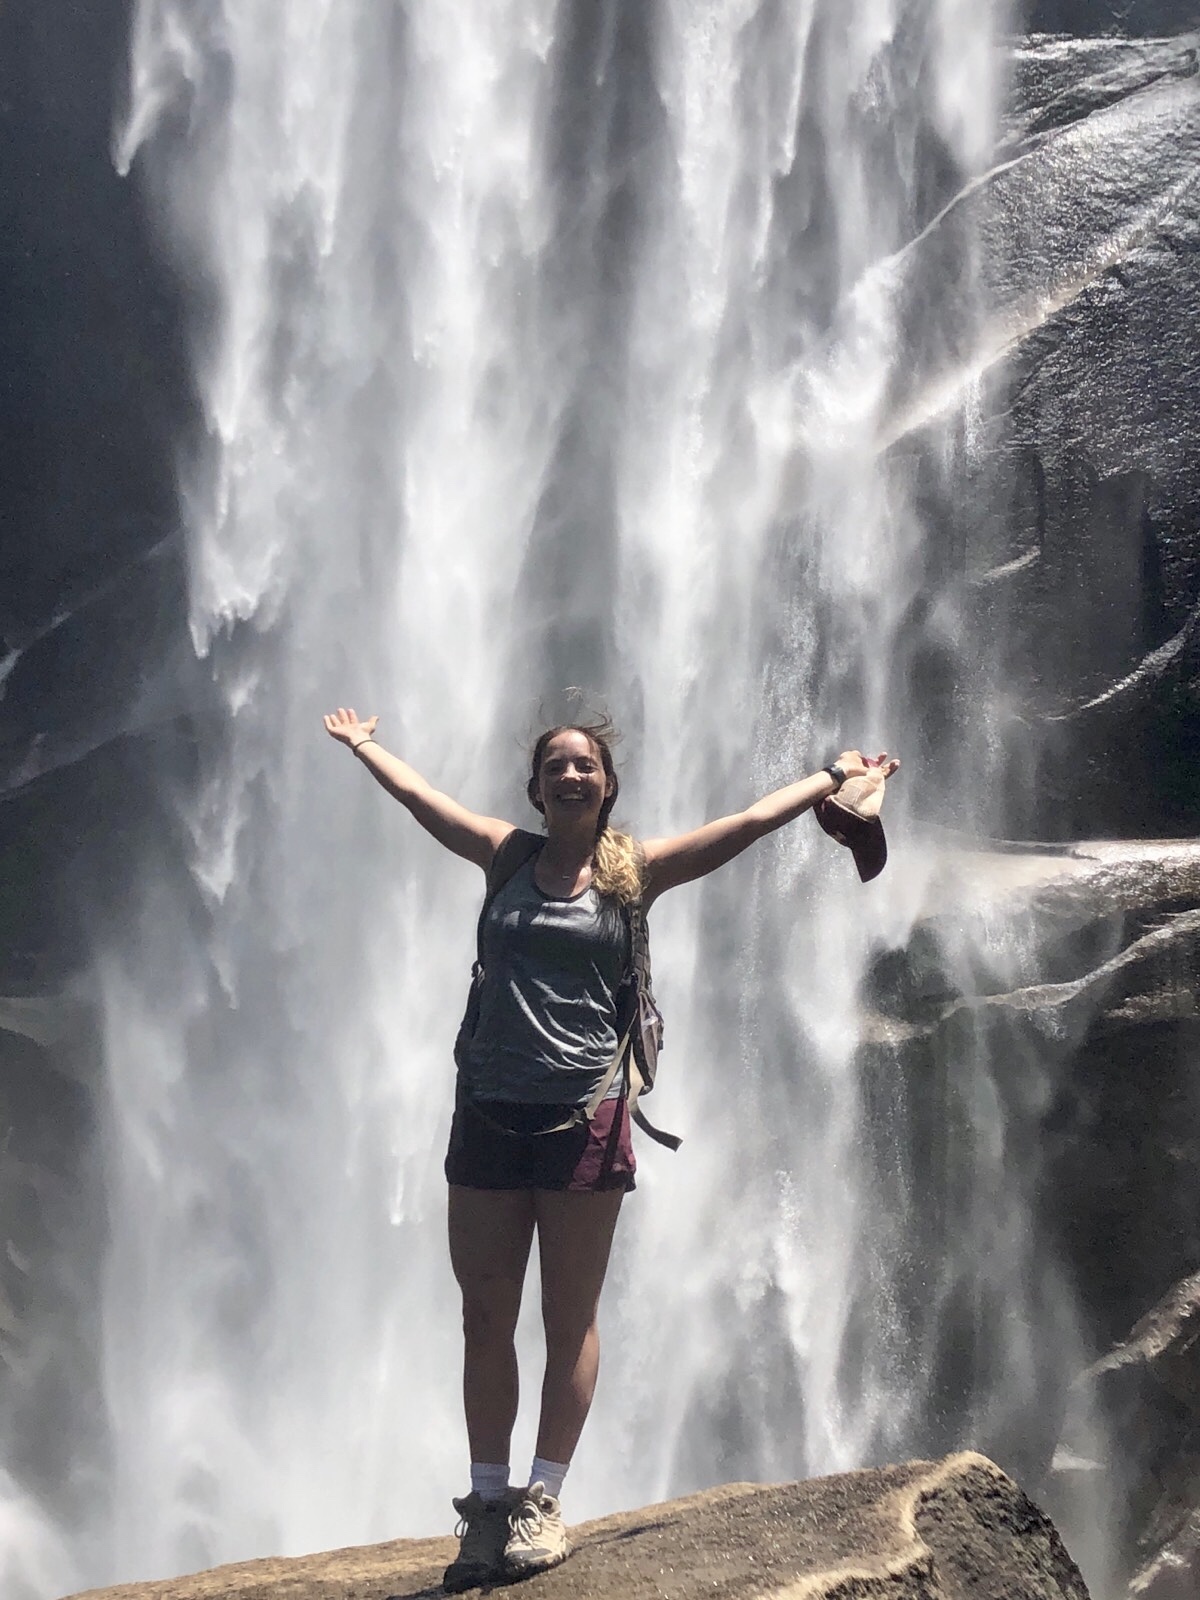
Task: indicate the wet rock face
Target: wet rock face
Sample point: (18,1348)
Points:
(1092,574)
(1073,974)
(92,354)
(1150,1383)
(1098,991)
(1053,308)
(95,400)
(1084,17)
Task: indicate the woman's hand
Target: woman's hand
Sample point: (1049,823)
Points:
(473,837)
(344,726)
(855,765)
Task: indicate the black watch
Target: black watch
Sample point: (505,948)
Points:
(836,773)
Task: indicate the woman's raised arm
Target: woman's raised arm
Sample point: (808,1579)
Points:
(670,862)
(466,833)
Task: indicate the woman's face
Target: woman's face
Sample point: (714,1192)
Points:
(571,780)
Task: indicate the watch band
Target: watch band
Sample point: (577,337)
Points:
(836,773)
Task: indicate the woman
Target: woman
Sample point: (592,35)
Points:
(539,1041)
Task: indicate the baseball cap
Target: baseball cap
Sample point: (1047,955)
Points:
(851,816)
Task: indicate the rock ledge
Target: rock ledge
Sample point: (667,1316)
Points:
(956,1529)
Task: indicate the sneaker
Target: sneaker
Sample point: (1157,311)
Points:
(483,1532)
(537,1539)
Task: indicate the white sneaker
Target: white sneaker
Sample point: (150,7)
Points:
(537,1538)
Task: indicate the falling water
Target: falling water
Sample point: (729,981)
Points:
(540,345)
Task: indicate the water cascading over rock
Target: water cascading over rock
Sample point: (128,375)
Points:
(554,348)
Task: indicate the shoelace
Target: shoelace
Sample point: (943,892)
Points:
(482,1512)
(526,1519)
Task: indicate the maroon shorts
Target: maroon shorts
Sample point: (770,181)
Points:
(495,1144)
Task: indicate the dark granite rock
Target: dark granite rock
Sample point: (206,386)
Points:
(1096,989)
(96,381)
(1100,392)
(1073,972)
(1148,1386)
(1084,17)
(95,401)
(1070,342)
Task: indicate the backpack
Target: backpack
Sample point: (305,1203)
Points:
(639,1021)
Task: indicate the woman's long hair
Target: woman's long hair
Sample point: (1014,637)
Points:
(617,868)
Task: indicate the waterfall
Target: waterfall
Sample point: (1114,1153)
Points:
(540,345)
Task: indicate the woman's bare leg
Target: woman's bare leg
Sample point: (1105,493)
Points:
(575,1233)
(490,1235)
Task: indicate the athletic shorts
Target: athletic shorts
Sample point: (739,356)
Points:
(495,1145)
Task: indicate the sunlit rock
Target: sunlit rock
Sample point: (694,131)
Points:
(957,1529)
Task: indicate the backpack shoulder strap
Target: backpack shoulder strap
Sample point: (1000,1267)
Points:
(512,853)
(639,962)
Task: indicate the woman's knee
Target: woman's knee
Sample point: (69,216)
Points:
(490,1309)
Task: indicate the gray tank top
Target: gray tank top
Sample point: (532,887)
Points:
(552,967)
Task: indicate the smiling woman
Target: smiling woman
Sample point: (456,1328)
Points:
(541,1141)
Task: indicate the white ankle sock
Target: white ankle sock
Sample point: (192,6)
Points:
(489,1479)
(550,1473)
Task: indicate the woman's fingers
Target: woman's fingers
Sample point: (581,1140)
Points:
(342,723)
(854,762)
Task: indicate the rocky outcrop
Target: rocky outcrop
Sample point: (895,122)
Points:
(951,1530)
(1093,980)
(1149,1386)
(1072,972)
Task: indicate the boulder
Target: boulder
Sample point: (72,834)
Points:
(957,1529)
